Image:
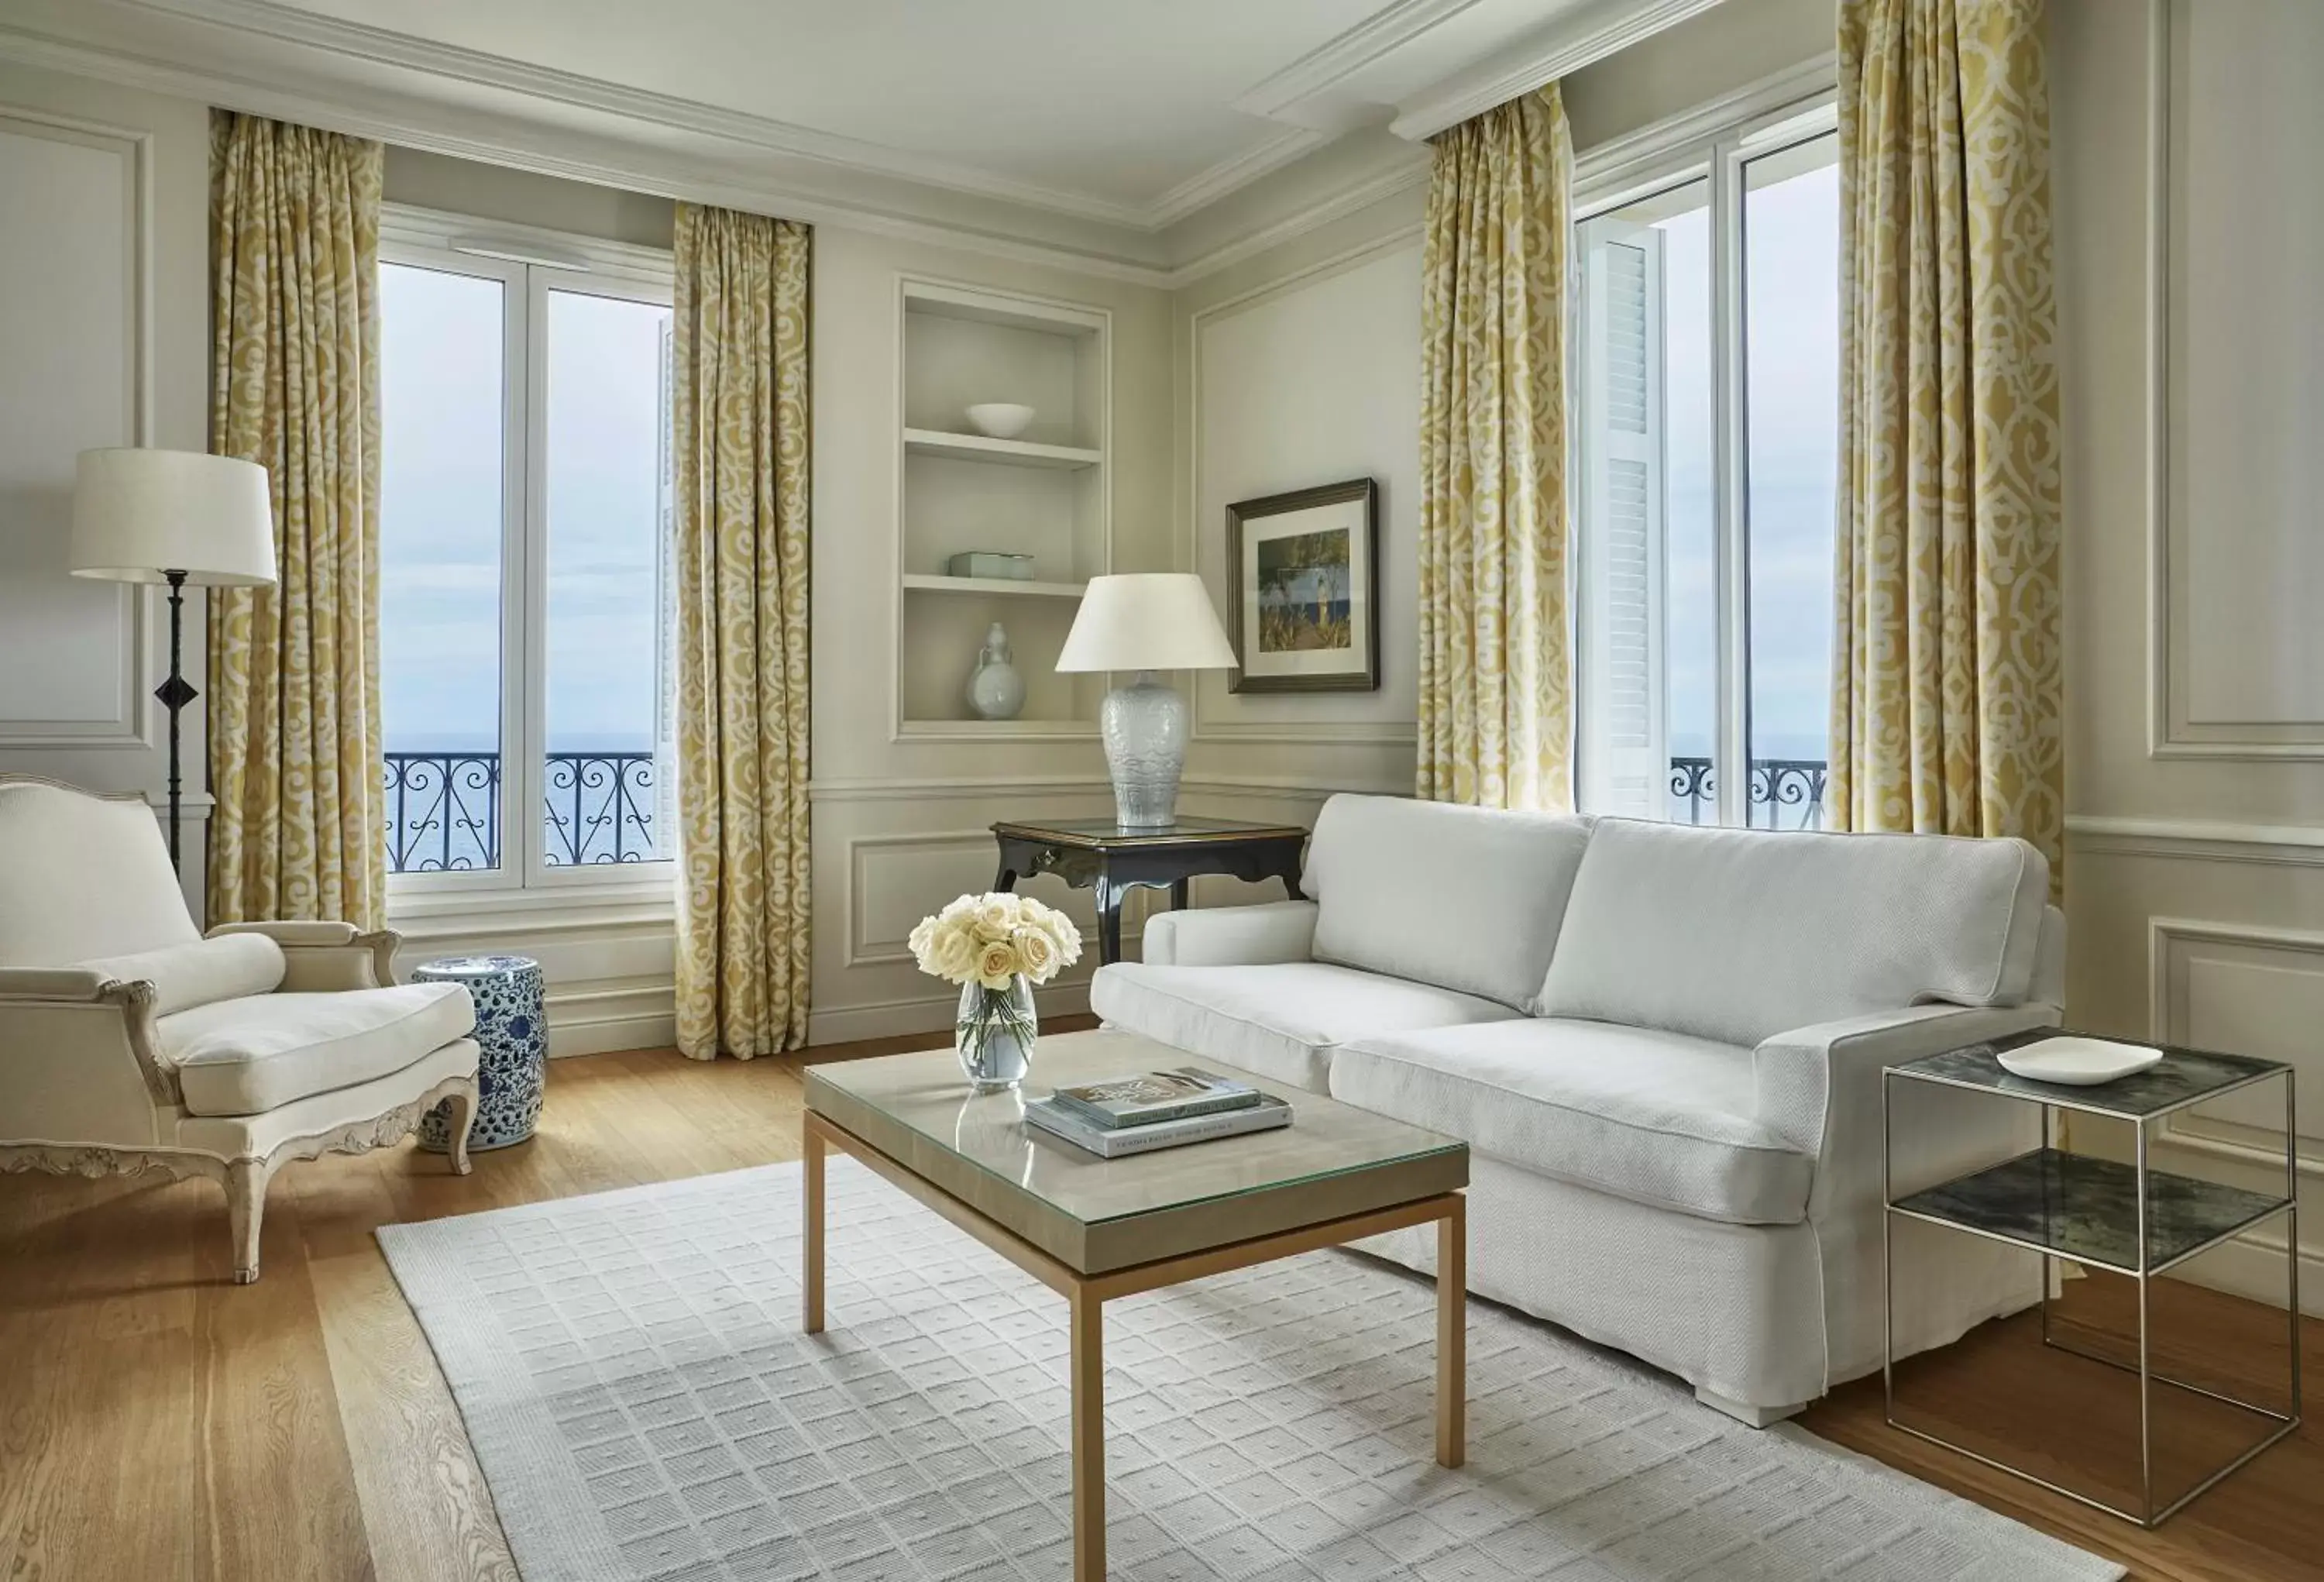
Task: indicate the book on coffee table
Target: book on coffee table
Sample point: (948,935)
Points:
(1145,1098)
(1116,1142)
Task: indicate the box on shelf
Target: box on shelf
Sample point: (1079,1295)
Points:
(992,563)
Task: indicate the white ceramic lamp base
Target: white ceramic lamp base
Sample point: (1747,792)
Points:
(1145,728)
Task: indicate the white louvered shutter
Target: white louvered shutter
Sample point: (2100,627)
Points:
(1625,760)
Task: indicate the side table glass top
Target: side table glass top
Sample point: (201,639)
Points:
(2186,1077)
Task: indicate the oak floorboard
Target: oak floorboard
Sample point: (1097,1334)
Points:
(159,1422)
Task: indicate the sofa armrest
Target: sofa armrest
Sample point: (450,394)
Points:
(321,956)
(51,982)
(81,1060)
(1232,935)
(1815,1084)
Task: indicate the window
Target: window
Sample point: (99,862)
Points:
(525,529)
(1707,452)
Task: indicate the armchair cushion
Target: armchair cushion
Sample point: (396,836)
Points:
(1230,936)
(200,972)
(245,1057)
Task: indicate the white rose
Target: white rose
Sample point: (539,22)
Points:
(954,957)
(1037,952)
(996,964)
(996,916)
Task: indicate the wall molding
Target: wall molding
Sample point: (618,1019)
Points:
(2171,731)
(1552,52)
(2196,839)
(136,720)
(931,1013)
(1291,93)
(1319,733)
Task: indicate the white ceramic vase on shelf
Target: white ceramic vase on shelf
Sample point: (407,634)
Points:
(995,689)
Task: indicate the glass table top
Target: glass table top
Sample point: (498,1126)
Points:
(2185,1077)
(926,1095)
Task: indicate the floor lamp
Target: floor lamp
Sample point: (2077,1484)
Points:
(179,517)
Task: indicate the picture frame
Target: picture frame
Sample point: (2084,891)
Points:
(1303,580)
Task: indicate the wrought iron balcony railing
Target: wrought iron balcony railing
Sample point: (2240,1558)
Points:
(1786,793)
(444,809)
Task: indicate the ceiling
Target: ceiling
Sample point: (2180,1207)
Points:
(1127,115)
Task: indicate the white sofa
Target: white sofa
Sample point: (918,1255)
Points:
(1664,1045)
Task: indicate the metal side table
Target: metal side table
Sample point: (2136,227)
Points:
(2131,1219)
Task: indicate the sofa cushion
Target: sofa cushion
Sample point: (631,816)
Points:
(246,1057)
(1465,898)
(1736,935)
(1282,1022)
(200,971)
(1651,1116)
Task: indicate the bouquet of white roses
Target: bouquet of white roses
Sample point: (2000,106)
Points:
(989,940)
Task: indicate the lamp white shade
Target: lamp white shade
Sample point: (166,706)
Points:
(141,515)
(1147,621)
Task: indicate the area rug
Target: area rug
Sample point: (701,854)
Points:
(645,1409)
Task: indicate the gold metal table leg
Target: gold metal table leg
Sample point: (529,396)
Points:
(811,1228)
(1453,1333)
(1088,1323)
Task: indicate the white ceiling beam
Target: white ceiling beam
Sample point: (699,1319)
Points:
(1542,57)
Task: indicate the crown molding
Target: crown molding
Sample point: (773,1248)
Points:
(1349,199)
(1543,57)
(378,46)
(1234,172)
(1290,94)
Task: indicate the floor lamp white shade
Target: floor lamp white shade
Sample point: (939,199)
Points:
(179,517)
(1145,622)
(139,515)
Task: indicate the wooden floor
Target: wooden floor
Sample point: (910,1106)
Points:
(157,1423)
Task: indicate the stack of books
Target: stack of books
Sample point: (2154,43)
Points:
(1155,1109)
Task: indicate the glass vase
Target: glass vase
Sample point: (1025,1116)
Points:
(994,1034)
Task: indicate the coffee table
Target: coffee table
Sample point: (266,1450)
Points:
(1092,1229)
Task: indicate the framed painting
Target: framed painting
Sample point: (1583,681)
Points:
(1304,571)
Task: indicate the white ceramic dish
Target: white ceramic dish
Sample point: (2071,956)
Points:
(2078,1062)
(999,419)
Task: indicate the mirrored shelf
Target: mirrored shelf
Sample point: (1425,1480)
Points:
(2078,1207)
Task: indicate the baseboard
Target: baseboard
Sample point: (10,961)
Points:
(600,1020)
(921,1013)
(2250,1268)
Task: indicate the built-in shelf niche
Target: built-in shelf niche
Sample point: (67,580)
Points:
(1044,492)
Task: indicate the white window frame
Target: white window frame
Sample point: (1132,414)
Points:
(1710,144)
(529,264)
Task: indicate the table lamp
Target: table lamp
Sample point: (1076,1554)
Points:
(1145,622)
(179,517)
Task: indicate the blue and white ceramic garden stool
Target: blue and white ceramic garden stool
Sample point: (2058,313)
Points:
(514,1045)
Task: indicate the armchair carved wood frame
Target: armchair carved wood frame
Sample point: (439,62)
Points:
(112,1004)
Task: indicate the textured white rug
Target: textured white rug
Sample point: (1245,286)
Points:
(644,1407)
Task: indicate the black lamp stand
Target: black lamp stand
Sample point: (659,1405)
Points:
(175,693)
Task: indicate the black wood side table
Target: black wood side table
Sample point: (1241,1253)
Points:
(1101,855)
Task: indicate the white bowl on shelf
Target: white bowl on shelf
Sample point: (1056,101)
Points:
(999,419)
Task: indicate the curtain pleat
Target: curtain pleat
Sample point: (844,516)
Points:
(1495,673)
(1947,689)
(740,378)
(298,826)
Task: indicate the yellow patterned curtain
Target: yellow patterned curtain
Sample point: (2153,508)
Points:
(1494,663)
(740,381)
(1947,690)
(299,826)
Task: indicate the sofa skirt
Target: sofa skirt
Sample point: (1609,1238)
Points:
(1736,1310)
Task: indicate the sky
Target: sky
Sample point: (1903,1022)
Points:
(1792,374)
(441,512)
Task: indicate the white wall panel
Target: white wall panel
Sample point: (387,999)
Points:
(73,346)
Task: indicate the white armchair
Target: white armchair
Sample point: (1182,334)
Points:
(130,1041)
